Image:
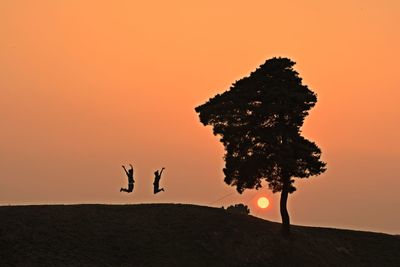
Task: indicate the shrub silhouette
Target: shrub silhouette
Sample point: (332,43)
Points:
(238,209)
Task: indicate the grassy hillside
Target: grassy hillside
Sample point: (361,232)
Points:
(176,235)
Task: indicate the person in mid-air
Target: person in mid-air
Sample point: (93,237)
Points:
(156,184)
(129,173)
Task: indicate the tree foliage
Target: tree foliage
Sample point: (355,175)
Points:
(259,120)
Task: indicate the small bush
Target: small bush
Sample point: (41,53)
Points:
(238,209)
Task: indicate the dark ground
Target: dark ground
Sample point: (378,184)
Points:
(176,235)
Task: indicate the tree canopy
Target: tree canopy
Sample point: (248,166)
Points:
(259,120)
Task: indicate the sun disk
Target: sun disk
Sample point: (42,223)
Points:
(263,202)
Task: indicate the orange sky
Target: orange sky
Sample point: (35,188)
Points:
(89,85)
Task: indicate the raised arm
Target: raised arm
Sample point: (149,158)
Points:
(162,170)
(125,169)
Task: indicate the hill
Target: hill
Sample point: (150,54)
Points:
(176,235)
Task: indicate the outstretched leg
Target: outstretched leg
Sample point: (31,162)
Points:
(126,190)
(129,190)
(157,190)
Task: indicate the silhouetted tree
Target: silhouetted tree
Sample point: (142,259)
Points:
(238,209)
(259,120)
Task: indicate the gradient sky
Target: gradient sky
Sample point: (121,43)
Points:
(86,86)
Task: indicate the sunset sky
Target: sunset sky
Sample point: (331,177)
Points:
(86,86)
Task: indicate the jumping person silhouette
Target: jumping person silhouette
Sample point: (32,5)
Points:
(129,173)
(156,184)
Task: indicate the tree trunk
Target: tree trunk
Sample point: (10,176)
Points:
(284,212)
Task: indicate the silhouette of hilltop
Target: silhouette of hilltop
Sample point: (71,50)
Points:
(176,235)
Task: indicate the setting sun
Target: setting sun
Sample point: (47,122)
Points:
(263,202)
